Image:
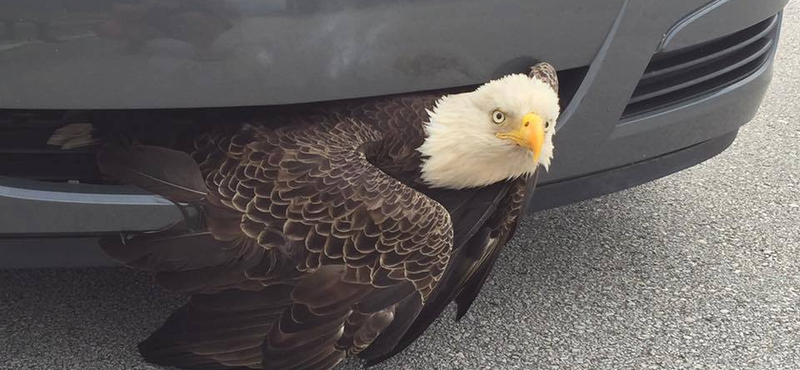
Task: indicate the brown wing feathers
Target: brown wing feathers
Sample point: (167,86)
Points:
(483,225)
(168,172)
(499,230)
(346,245)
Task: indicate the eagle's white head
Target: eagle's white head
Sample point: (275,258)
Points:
(502,130)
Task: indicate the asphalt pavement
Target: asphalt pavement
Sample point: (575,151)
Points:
(699,270)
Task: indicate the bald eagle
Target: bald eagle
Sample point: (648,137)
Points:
(339,232)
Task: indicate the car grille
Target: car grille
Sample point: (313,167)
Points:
(24,151)
(701,69)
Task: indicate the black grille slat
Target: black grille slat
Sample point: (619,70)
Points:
(707,72)
(676,76)
(24,152)
(683,60)
(62,167)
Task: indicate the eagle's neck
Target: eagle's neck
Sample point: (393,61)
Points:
(401,121)
(397,155)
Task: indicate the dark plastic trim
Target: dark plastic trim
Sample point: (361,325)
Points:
(683,59)
(33,208)
(76,252)
(704,74)
(556,194)
(704,69)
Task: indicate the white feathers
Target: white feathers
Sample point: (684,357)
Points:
(461,148)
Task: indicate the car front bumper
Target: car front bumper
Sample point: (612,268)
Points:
(655,87)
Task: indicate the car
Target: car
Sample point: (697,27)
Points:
(648,87)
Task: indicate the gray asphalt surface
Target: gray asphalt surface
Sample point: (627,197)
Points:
(699,270)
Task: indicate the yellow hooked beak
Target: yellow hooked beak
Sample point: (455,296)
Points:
(529,134)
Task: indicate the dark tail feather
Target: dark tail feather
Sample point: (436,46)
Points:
(387,344)
(225,330)
(467,296)
(185,261)
(170,173)
(171,346)
(171,252)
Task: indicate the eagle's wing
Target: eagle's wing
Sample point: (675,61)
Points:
(318,253)
(546,73)
(496,232)
(483,219)
(495,222)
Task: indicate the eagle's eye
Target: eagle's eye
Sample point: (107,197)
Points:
(546,125)
(498,117)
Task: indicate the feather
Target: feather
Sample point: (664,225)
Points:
(472,213)
(457,274)
(179,342)
(473,285)
(469,208)
(159,252)
(383,347)
(466,297)
(166,172)
(73,135)
(546,73)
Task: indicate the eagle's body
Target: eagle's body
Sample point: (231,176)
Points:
(324,236)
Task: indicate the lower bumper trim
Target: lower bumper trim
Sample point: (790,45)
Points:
(563,192)
(35,208)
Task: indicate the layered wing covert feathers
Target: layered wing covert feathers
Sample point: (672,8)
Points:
(318,251)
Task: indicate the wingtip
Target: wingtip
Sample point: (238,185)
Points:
(170,173)
(380,359)
(462,311)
